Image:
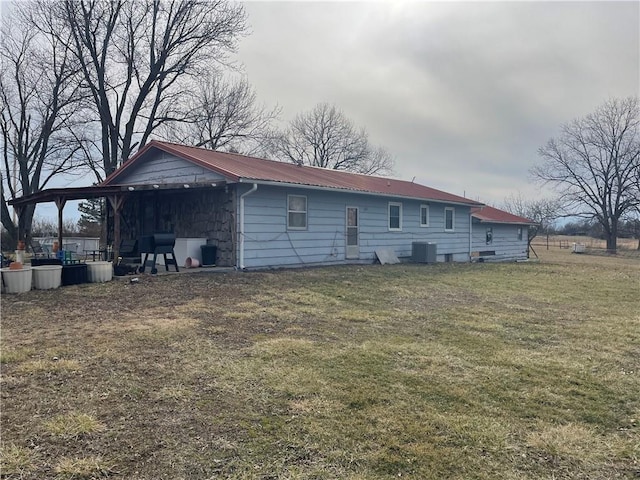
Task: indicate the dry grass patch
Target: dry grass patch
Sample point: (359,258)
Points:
(571,439)
(82,468)
(278,347)
(73,425)
(15,460)
(53,365)
(176,393)
(15,355)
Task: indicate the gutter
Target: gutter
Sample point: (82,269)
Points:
(241,239)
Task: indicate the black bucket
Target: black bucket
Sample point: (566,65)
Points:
(209,253)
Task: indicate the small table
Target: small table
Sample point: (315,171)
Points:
(93,254)
(101,253)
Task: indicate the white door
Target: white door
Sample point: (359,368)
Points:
(353,241)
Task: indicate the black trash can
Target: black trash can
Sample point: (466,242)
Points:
(74,274)
(209,253)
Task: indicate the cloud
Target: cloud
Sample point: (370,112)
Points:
(454,90)
(462,93)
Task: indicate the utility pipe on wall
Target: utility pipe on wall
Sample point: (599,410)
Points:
(241,246)
(470,235)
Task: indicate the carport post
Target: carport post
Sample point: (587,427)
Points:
(116,202)
(60,203)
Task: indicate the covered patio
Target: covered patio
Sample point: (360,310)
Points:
(60,196)
(188,210)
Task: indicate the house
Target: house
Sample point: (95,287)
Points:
(499,235)
(261,213)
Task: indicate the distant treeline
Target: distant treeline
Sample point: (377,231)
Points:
(591,228)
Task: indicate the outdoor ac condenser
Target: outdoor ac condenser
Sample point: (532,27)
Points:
(424,252)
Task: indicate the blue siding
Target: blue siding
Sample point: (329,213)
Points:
(268,243)
(163,168)
(505,242)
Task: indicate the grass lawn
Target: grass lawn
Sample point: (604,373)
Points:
(470,371)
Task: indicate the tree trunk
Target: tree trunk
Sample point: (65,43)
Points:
(612,236)
(10,227)
(25,220)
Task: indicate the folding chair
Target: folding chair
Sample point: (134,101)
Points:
(38,250)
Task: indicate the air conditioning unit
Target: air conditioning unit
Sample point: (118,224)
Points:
(424,252)
(578,248)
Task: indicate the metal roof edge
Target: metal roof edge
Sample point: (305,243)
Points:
(359,192)
(486,220)
(505,223)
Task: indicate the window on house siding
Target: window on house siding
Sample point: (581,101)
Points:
(449,219)
(489,238)
(296,212)
(395,216)
(519,233)
(424,215)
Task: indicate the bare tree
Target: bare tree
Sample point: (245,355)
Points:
(325,137)
(224,115)
(134,55)
(48,227)
(543,211)
(39,95)
(593,164)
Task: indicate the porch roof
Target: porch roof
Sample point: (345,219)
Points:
(489,214)
(69,193)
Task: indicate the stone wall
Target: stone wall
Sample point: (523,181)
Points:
(206,213)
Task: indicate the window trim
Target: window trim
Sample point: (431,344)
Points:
(453,219)
(306,212)
(399,205)
(519,233)
(424,206)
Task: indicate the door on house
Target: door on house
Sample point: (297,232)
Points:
(353,234)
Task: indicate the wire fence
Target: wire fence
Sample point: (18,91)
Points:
(626,247)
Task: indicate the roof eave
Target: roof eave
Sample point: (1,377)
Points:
(486,220)
(359,192)
(66,193)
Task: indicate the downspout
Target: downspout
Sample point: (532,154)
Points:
(470,235)
(241,239)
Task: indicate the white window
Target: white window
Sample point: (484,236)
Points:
(449,219)
(519,233)
(395,216)
(424,215)
(296,212)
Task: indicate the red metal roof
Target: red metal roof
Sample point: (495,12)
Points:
(239,168)
(494,215)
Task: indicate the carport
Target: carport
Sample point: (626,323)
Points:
(116,196)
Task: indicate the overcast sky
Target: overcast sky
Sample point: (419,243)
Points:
(461,93)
